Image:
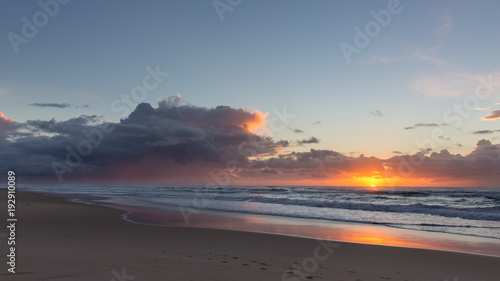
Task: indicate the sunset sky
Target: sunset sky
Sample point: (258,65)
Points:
(389,93)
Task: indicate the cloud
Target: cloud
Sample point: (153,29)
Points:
(482,108)
(426,150)
(453,84)
(59,105)
(422,125)
(483,132)
(426,55)
(446,26)
(308,141)
(72,126)
(481,165)
(413,53)
(151,143)
(444,138)
(4,118)
(445,85)
(197,145)
(298,131)
(317,123)
(377,113)
(48,104)
(169,102)
(492,116)
(6,125)
(283,143)
(317,162)
(269,171)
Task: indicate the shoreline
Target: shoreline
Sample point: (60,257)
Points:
(369,234)
(74,241)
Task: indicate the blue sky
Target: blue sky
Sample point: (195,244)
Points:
(265,55)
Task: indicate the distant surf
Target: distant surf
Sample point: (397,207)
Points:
(473,212)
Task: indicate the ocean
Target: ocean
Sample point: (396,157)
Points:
(465,211)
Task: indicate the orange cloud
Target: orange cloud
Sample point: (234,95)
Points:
(492,116)
(482,108)
(257,122)
(3,117)
(6,124)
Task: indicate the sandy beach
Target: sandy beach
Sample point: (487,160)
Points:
(61,240)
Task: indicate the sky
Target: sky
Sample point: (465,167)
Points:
(386,93)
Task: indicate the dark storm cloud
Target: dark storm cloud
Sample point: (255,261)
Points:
(269,171)
(480,165)
(153,139)
(483,162)
(72,126)
(318,161)
(7,125)
(160,144)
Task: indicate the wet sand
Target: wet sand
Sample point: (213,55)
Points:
(61,240)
